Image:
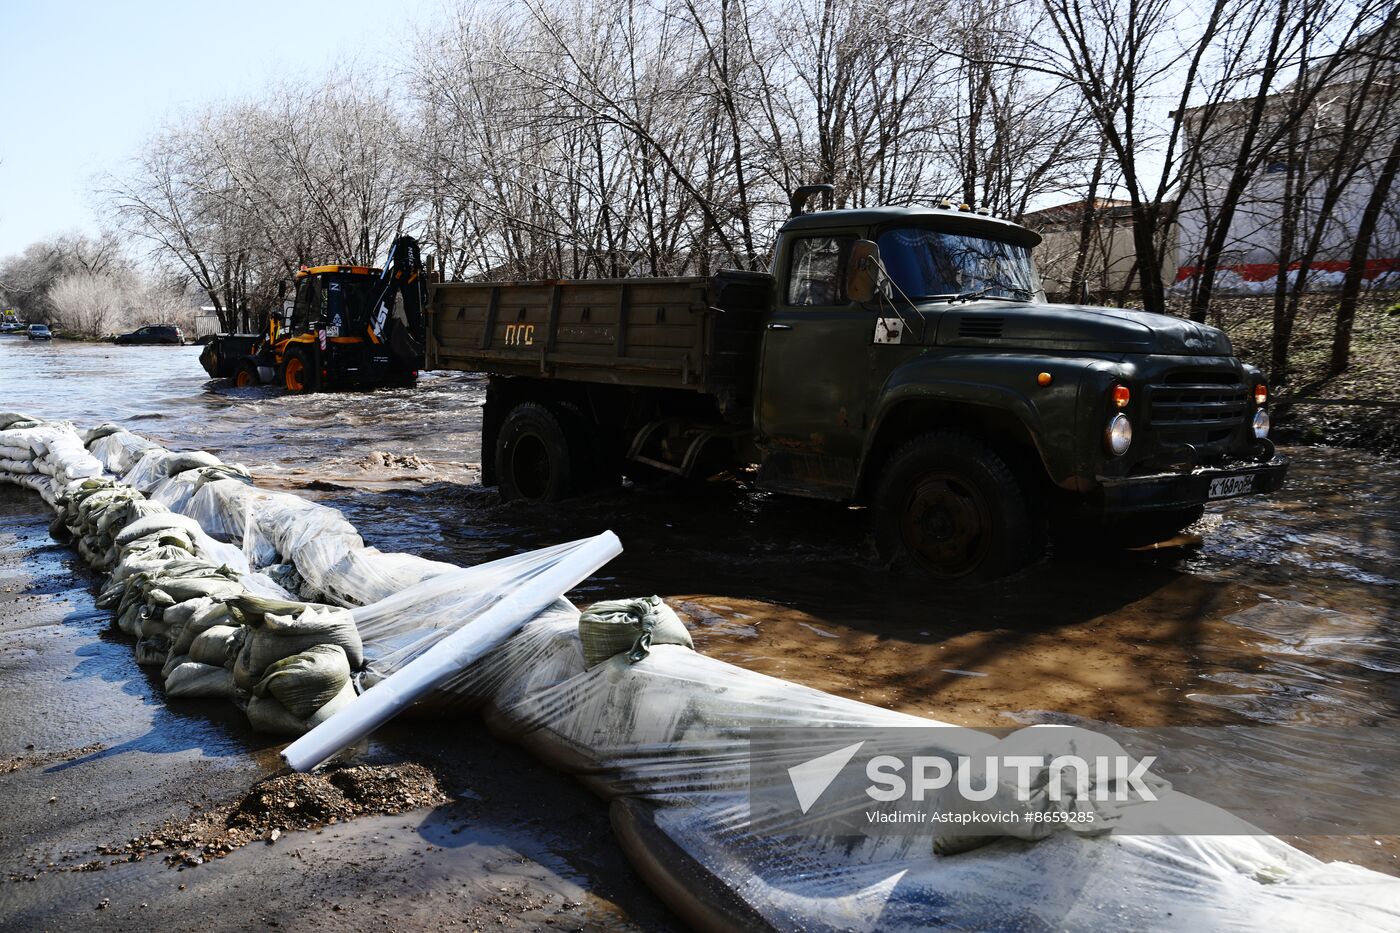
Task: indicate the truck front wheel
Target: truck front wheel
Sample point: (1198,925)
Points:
(532,456)
(949,507)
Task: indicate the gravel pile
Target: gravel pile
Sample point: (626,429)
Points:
(283,803)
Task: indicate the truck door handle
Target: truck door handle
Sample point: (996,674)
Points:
(780,327)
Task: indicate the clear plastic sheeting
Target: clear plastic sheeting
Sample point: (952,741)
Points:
(666,738)
(120,450)
(157,464)
(469,612)
(332,562)
(175,492)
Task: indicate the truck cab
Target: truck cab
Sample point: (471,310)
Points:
(941,387)
(903,359)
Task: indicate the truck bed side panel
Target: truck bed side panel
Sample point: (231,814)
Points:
(659,332)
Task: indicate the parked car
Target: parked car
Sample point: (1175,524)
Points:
(154,333)
(40,332)
(9,327)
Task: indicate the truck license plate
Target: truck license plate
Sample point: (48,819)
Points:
(1223,487)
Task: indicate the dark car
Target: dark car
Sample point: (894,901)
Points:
(154,333)
(39,332)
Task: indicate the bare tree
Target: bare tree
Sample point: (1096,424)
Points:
(27,280)
(1329,157)
(1356,266)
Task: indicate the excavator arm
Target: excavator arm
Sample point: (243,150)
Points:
(398,319)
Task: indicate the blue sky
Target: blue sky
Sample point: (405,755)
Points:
(84,83)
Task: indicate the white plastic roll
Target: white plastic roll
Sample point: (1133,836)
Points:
(448,657)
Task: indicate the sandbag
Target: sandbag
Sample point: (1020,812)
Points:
(189,460)
(1005,813)
(120,452)
(273,636)
(193,679)
(205,615)
(266,714)
(305,682)
(629,625)
(152,622)
(214,586)
(154,523)
(152,650)
(105,429)
(177,490)
(366,575)
(157,463)
(129,618)
(172,661)
(217,645)
(9,418)
(144,560)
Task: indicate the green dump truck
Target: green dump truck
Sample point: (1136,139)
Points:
(900,358)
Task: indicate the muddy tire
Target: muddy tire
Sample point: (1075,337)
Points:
(246,376)
(949,508)
(298,372)
(534,461)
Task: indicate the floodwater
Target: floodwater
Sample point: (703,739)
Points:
(1286,612)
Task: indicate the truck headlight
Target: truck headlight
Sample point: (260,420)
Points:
(1261,424)
(1118,435)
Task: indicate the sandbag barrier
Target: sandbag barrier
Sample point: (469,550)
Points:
(658,729)
(193,604)
(244,594)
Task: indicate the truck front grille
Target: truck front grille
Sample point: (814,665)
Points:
(1198,406)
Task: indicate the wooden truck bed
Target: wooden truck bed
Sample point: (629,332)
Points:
(699,334)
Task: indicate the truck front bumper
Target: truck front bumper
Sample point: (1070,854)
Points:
(1183,490)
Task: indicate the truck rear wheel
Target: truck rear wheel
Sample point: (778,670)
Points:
(533,459)
(950,508)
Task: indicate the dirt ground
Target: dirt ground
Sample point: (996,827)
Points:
(1359,408)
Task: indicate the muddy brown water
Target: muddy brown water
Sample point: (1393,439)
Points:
(1288,611)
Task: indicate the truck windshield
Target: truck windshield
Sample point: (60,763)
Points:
(928,263)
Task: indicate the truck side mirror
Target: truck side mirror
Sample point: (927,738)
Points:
(864,280)
(281,289)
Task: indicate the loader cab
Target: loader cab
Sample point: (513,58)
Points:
(305,305)
(339,298)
